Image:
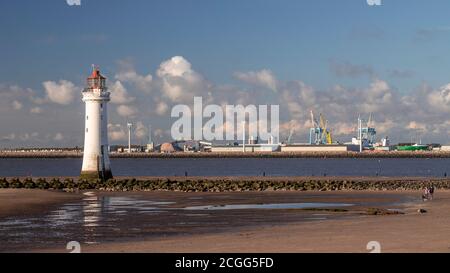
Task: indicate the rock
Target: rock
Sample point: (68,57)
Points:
(422,211)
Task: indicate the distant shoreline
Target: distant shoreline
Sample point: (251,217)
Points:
(403,154)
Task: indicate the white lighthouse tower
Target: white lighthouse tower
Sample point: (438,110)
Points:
(96,164)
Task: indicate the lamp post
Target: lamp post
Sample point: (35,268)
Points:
(129,125)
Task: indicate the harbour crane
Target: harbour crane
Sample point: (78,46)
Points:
(366,134)
(291,133)
(319,133)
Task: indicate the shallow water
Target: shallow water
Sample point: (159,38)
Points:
(421,167)
(271,206)
(114,217)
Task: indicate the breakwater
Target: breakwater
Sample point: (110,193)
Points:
(227,184)
(393,154)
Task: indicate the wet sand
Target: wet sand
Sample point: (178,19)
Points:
(23,202)
(411,232)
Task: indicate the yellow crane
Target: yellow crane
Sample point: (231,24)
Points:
(319,133)
(326,135)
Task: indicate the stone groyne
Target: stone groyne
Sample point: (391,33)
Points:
(227,184)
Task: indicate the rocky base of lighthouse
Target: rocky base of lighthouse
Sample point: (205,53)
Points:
(94,175)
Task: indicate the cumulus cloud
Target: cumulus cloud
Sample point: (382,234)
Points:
(414,125)
(126,111)
(440,99)
(378,96)
(140,131)
(397,114)
(17,105)
(8,138)
(180,83)
(176,66)
(119,94)
(61,92)
(263,78)
(143,83)
(117,132)
(14,97)
(28,136)
(162,108)
(58,137)
(23,137)
(36,110)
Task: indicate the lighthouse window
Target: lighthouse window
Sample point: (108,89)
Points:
(87,117)
(87,129)
(101,105)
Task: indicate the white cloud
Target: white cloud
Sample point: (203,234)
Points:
(58,137)
(8,138)
(378,96)
(396,114)
(180,83)
(36,110)
(116,132)
(143,83)
(176,66)
(61,93)
(14,97)
(440,99)
(161,108)
(140,130)
(126,111)
(119,94)
(414,125)
(17,105)
(385,126)
(263,78)
(27,137)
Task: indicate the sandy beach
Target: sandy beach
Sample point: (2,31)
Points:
(21,202)
(412,232)
(408,232)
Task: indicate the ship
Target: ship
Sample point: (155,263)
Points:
(412,147)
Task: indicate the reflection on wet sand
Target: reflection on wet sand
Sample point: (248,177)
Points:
(92,211)
(110,217)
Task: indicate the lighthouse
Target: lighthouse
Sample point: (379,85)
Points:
(96,164)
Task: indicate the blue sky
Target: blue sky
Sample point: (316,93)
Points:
(321,43)
(296,39)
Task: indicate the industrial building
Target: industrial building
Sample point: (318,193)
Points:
(248,148)
(296,148)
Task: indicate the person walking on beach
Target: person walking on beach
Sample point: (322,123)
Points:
(431,190)
(426,194)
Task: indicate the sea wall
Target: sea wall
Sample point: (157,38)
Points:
(393,154)
(217,184)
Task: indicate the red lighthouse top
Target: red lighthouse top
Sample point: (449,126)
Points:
(96,74)
(96,80)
